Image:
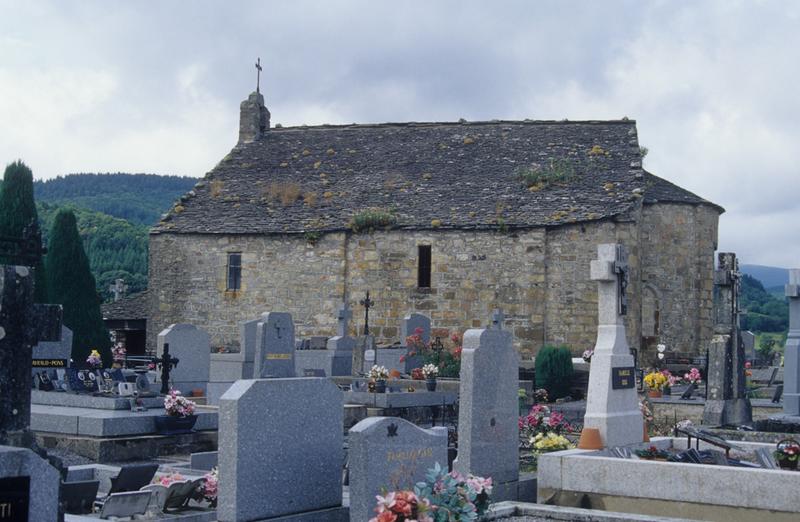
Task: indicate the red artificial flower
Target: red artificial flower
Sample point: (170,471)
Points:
(457,352)
(386,516)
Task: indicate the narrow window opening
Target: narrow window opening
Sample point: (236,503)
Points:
(234,271)
(424,268)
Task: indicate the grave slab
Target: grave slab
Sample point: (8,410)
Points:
(28,486)
(192,347)
(392,454)
(275,346)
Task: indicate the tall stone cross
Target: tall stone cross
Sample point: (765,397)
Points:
(258,75)
(791,357)
(726,401)
(497,319)
(344,316)
(23,324)
(367,303)
(612,405)
(118,289)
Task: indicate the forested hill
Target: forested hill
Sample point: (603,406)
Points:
(138,198)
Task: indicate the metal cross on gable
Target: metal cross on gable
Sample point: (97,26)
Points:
(258,75)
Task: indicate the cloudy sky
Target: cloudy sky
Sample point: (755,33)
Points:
(155,86)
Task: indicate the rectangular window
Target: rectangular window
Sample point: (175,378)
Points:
(234,271)
(424,267)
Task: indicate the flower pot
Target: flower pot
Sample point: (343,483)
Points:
(380,386)
(430,384)
(654,394)
(787,464)
(173,425)
(590,439)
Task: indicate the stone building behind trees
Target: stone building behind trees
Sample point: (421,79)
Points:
(448,219)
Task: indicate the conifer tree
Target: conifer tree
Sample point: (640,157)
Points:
(17,211)
(70,283)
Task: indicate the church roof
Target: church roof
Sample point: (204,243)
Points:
(130,307)
(660,190)
(476,175)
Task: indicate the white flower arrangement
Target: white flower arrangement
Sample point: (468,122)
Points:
(430,371)
(176,405)
(378,373)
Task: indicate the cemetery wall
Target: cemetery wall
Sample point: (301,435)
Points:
(678,244)
(540,278)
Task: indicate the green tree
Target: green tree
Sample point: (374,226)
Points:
(17,211)
(71,284)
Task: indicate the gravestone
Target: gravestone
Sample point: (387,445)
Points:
(364,344)
(226,368)
(389,453)
(791,351)
(749,342)
(275,346)
(335,358)
(612,405)
(28,486)
(726,400)
(52,355)
(280,449)
(410,324)
(22,325)
(192,347)
(488,433)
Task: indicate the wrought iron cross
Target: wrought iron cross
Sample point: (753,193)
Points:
(258,76)
(367,303)
(621,270)
(167,362)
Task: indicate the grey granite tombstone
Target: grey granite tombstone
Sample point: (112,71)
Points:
(488,433)
(336,359)
(612,405)
(229,367)
(280,448)
(791,358)
(192,347)
(726,401)
(389,453)
(749,343)
(364,343)
(51,355)
(275,346)
(28,486)
(410,324)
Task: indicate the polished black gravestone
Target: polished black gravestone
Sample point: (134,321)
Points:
(14,498)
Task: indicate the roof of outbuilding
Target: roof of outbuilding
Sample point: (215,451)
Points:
(660,190)
(429,175)
(130,307)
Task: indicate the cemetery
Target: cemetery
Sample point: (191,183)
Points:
(318,429)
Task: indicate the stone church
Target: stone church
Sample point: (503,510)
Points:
(448,219)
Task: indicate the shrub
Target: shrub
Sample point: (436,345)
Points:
(554,370)
(372,218)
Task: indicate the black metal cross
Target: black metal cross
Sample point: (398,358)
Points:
(167,362)
(367,303)
(621,270)
(258,76)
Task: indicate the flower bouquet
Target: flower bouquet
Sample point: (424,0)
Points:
(210,486)
(179,418)
(652,453)
(94,360)
(430,371)
(552,441)
(453,496)
(587,355)
(402,506)
(379,374)
(655,381)
(787,453)
(417,374)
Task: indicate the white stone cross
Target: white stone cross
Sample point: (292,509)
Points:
(791,373)
(498,318)
(610,270)
(345,314)
(793,293)
(118,289)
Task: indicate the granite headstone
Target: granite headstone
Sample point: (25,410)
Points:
(52,355)
(280,448)
(28,486)
(791,359)
(488,433)
(389,453)
(192,347)
(275,346)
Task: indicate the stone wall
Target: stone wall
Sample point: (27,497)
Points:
(677,244)
(539,277)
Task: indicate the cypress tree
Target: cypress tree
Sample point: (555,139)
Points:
(17,210)
(71,284)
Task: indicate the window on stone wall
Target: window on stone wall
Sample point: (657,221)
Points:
(424,266)
(234,270)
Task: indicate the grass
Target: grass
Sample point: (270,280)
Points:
(372,218)
(286,193)
(538,177)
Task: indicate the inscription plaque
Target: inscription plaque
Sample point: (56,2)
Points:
(622,378)
(14,499)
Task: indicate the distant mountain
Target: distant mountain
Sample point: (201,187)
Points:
(769,276)
(138,198)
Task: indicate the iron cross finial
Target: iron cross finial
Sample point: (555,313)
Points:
(258,75)
(367,303)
